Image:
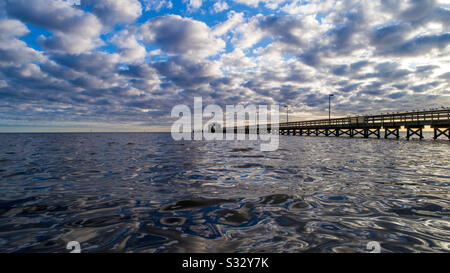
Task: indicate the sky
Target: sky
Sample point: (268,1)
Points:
(122,65)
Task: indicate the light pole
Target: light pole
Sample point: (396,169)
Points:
(287,112)
(329,107)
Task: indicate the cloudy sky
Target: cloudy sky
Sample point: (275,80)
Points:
(111,65)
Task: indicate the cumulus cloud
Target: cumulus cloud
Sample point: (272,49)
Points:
(220,6)
(112,12)
(290,34)
(234,19)
(309,7)
(270,4)
(421,45)
(104,60)
(130,49)
(193,4)
(157,4)
(10,28)
(96,63)
(188,72)
(13,50)
(178,35)
(73,30)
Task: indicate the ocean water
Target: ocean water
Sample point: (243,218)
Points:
(144,192)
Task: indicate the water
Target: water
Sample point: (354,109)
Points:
(143,192)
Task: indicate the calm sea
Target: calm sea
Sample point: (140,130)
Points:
(144,192)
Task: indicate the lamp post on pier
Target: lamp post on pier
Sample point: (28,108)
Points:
(329,106)
(287,112)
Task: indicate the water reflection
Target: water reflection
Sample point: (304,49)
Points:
(146,193)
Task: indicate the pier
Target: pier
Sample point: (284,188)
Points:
(366,126)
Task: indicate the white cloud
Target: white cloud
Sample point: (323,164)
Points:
(73,30)
(73,2)
(116,11)
(310,7)
(13,50)
(193,4)
(270,4)
(130,50)
(157,4)
(220,6)
(248,34)
(10,28)
(234,19)
(237,61)
(177,35)
(253,3)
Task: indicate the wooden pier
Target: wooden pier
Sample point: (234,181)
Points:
(365,126)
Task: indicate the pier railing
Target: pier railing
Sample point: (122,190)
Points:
(392,119)
(365,125)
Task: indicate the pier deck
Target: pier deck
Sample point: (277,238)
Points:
(366,126)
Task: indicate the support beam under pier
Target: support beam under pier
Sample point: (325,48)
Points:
(340,132)
(395,131)
(416,130)
(371,131)
(321,132)
(355,132)
(439,131)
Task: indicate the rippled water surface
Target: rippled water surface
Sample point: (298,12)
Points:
(143,192)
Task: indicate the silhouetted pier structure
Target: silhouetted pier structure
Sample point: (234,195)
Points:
(365,126)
